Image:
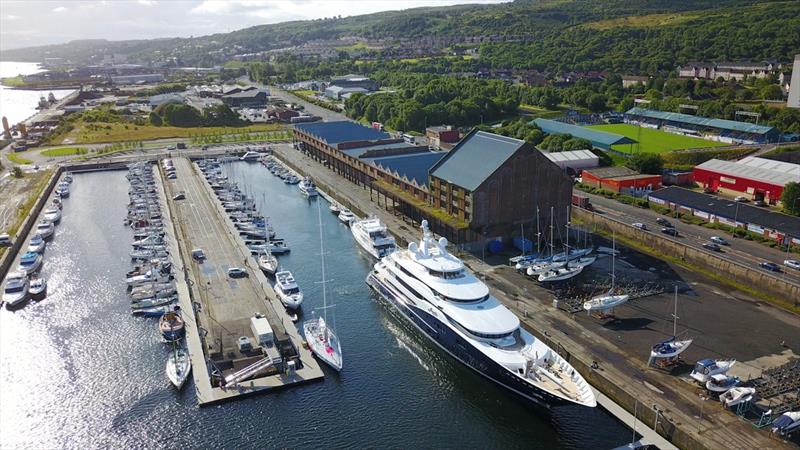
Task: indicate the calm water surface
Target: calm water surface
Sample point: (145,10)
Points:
(15,104)
(77,371)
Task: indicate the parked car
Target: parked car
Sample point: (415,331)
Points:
(664,222)
(712,246)
(639,225)
(719,240)
(793,263)
(198,255)
(237,272)
(179,196)
(740,198)
(771,266)
(670,231)
(5,240)
(760,203)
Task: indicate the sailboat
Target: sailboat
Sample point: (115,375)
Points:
(321,338)
(671,347)
(609,299)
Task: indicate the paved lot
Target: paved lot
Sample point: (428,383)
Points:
(326,114)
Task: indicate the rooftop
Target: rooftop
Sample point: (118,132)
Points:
(731,125)
(728,209)
(752,171)
(597,137)
(333,133)
(475,158)
(611,172)
(414,166)
(250,93)
(367,151)
(572,155)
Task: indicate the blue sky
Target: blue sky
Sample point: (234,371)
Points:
(25,23)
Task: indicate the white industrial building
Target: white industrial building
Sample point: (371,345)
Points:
(575,159)
(794,85)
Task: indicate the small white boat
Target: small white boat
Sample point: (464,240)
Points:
(30,262)
(16,290)
(605,302)
(581,262)
(720,383)
(737,395)
(536,269)
(178,367)
(705,368)
(346,216)
(786,423)
(564,273)
(334,208)
(37,288)
(308,188)
(45,229)
(37,244)
(573,254)
(250,156)
(373,237)
(287,289)
(52,214)
(268,263)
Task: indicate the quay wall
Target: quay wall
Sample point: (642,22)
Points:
(766,282)
(22,233)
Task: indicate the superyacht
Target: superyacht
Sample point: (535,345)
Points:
(448,304)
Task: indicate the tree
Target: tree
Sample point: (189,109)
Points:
(155,119)
(791,198)
(17,172)
(772,92)
(597,102)
(649,163)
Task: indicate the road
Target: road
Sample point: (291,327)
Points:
(326,114)
(739,250)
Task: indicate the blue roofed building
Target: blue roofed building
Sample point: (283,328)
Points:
(599,139)
(495,184)
(730,131)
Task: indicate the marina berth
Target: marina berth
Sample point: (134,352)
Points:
(436,293)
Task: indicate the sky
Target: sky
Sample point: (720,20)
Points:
(26,23)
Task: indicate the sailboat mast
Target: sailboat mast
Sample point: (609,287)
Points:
(522,232)
(675,314)
(538,235)
(322,262)
(551,231)
(613,260)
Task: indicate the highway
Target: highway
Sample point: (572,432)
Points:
(740,250)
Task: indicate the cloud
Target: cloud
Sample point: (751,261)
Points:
(11,17)
(59,9)
(147,2)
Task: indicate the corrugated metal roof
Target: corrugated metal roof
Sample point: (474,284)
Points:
(731,125)
(771,164)
(476,157)
(358,152)
(572,155)
(734,169)
(728,209)
(597,137)
(414,166)
(333,133)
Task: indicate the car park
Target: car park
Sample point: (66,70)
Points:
(237,272)
(793,263)
(771,266)
(670,231)
(740,198)
(664,222)
(712,246)
(719,240)
(639,225)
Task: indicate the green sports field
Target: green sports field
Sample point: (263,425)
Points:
(653,141)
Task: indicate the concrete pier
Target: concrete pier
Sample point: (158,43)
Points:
(223,306)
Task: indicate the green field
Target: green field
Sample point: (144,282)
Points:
(64,151)
(653,141)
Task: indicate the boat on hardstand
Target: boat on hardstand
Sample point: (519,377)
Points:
(610,299)
(564,273)
(737,395)
(786,423)
(178,367)
(720,383)
(373,237)
(434,291)
(705,368)
(671,347)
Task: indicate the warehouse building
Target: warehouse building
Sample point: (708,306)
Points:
(576,160)
(599,139)
(772,225)
(621,179)
(729,131)
(753,177)
(442,137)
(252,98)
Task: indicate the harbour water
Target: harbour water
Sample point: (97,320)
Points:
(17,104)
(77,371)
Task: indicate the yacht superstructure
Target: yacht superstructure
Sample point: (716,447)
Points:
(447,303)
(373,237)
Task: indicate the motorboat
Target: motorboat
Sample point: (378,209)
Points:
(287,289)
(564,273)
(334,208)
(153,239)
(68,177)
(720,383)
(158,290)
(178,367)
(146,255)
(373,237)
(30,262)
(433,290)
(37,288)
(321,338)
(171,325)
(737,395)
(308,188)
(268,263)
(45,229)
(786,423)
(250,156)
(52,214)
(62,191)
(151,276)
(347,216)
(15,291)
(705,368)
(153,302)
(37,244)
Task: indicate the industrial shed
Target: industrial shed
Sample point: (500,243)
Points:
(599,139)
